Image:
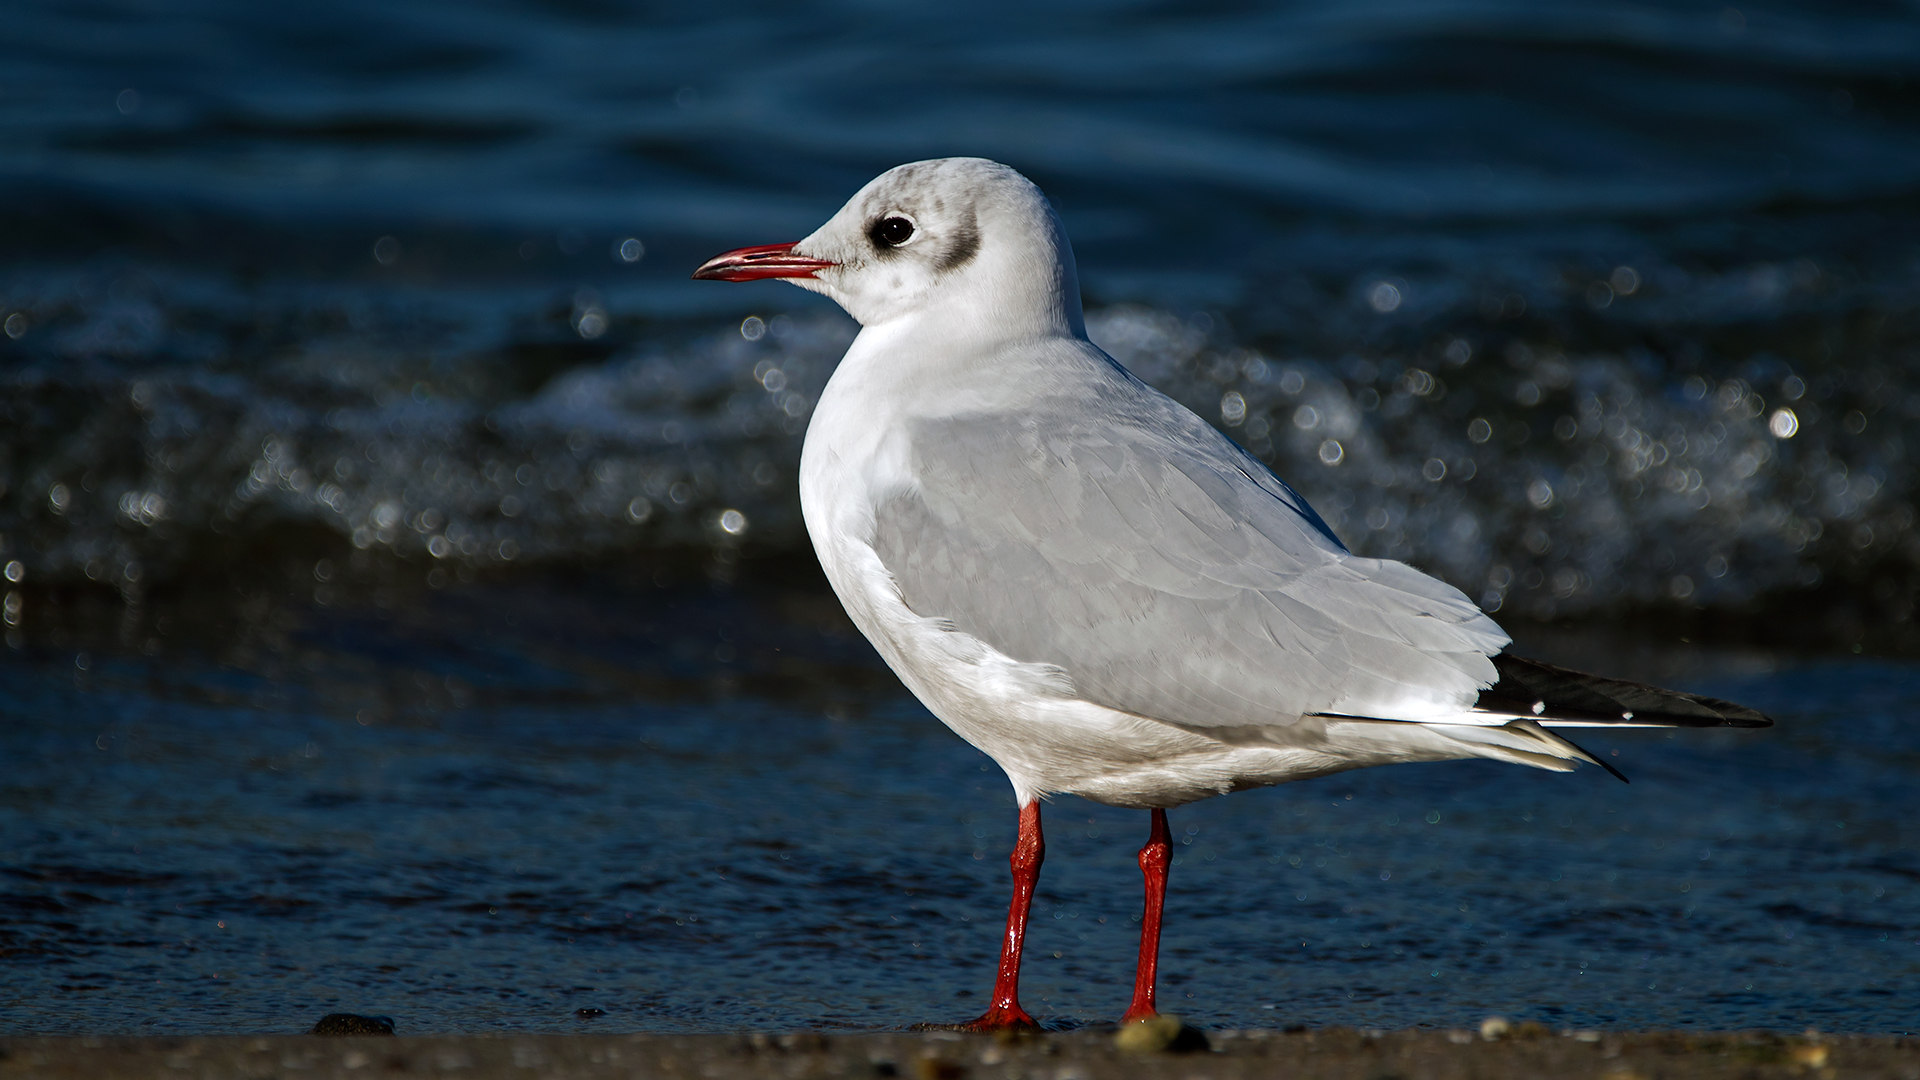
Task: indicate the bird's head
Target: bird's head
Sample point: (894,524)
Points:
(960,237)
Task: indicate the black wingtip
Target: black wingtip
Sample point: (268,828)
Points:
(1557,693)
(1617,774)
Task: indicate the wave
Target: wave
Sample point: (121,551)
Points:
(1458,434)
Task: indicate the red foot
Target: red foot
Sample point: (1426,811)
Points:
(1155,857)
(1005,1014)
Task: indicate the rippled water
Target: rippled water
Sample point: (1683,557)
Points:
(699,810)
(372,480)
(1592,308)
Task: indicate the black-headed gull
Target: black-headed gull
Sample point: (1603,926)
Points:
(1091,584)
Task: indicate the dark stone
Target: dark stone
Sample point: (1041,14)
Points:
(353,1024)
(1189,1040)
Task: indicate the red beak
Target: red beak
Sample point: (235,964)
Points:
(754,263)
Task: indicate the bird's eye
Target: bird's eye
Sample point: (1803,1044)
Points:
(891,231)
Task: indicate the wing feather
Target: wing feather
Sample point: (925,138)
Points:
(1165,571)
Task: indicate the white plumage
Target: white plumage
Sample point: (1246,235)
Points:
(1084,579)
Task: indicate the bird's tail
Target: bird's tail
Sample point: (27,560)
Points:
(1510,721)
(1524,742)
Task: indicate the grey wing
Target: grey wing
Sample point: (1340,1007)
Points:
(1166,572)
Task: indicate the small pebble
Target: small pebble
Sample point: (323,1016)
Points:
(353,1024)
(1812,1057)
(1157,1034)
(1493,1027)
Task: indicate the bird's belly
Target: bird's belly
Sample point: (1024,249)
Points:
(1025,717)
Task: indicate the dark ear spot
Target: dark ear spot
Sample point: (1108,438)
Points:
(962,245)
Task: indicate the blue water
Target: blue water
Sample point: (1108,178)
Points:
(722,814)
(1590,307)
(363,449)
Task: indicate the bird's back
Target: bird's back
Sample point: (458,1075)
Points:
(1074,516)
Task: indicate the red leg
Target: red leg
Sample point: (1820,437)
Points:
(1155,857)
(1005,1013)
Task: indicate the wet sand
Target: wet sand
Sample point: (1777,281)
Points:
(1340,1053)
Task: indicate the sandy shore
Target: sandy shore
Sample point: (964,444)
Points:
(1083,1055)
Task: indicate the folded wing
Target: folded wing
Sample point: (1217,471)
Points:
(1167,573)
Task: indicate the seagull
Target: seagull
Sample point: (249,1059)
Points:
(1094,586)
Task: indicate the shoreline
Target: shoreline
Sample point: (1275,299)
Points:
(1330,1053)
